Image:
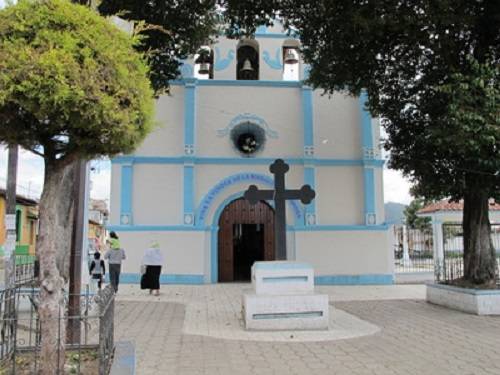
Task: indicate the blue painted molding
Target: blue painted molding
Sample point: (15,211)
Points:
(244,161)
(238,178)
(188,193)
(342,228)
(135,278)
(369,153)
(245,118)
(275,35)
(307,122)
(240,83)
(189,116)
(369,190)
(275,63)
(126,194)
(205,228)
(366,279)
(221,63)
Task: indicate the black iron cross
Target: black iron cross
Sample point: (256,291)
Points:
(279,195)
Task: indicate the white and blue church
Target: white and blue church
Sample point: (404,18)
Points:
(239,105)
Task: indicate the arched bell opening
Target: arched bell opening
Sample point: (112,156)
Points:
(204,63)
(291,60)
(246,235)
(247,55)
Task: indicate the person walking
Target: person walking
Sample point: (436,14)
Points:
(152,261)
(115,255)
(97,269)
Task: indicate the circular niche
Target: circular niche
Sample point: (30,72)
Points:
(248,138)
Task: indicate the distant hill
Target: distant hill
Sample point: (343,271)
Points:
(394,212)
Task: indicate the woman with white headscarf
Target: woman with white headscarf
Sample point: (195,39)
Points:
(152,261)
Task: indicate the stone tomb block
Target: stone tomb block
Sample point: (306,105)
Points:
(282,277)
(284,298)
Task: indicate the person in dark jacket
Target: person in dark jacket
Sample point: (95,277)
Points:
(98,269)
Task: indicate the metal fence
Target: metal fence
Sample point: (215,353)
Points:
(89,340)
(413,251)
(452,265)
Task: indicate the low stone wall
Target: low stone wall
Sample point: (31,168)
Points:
(479,302)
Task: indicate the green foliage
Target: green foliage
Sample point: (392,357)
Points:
(71,83)
(430,69)
(414,221)
(170,31)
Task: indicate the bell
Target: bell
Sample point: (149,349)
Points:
(247,66)
(291,56)
(204,68)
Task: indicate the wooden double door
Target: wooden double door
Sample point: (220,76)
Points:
(246,235)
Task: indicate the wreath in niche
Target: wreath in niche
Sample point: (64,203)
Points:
(248,138)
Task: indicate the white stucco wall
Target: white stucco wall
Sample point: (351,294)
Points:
(167,139)
(183,251)
(345,253)
(337,128)
(157,194)
(340,195)
(279,107)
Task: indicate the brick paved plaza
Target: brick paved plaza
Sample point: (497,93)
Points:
(400,334)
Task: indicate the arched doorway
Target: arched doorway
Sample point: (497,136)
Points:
(246,235)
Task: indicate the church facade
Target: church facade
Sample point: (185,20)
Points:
(239,106)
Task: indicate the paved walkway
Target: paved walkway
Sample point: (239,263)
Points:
(180,333)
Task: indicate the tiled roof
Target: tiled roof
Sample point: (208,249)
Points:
(446,205)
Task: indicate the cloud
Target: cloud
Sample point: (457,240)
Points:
(396,187)
(30,173)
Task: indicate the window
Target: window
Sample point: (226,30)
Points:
(291,60)
(247,55)
(204,63)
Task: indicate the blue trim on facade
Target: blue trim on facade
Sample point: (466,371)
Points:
(189,112)
(127,174)
(369,190)
(240,83)
(342,228)
(238,178)
(188,189)
(307,116)
(245,161)
(135,278)
(275,35)
(366,122)
(201,228)
(367,279)
(155,228)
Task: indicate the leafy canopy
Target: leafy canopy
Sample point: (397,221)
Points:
(169,30)
(71,83)
(431,69)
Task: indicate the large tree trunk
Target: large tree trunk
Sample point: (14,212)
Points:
(479,253)
(53,248)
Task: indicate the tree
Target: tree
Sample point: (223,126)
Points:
(169,30)
(430,69)
(71,87)
(412,220)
